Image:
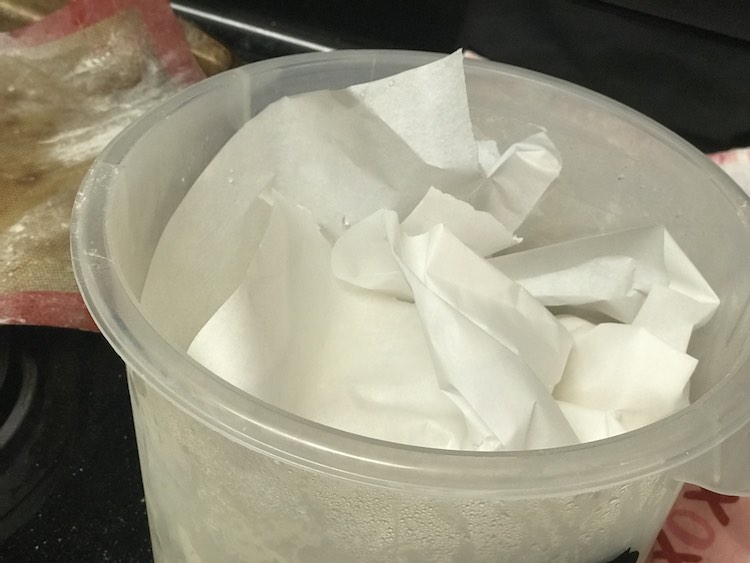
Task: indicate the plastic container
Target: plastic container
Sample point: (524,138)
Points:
(230,478)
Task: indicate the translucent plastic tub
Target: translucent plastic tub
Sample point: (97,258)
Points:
(230,478)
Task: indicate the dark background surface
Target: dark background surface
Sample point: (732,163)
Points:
(73,467)
(686,66)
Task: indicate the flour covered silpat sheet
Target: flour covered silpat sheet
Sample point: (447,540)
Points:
(353,240)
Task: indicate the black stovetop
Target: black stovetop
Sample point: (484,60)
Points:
(72,465)
(82,498)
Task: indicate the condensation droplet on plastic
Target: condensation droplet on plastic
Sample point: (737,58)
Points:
(621,176)
(345,222)
(391,83)
(230,180)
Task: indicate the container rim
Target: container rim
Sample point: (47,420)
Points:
(246,420)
